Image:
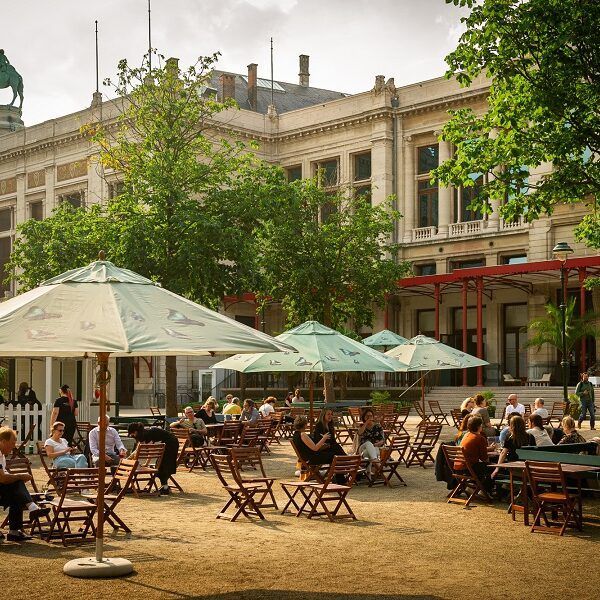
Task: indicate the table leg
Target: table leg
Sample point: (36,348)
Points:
(525,494)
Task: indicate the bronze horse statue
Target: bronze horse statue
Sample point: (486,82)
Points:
(9,78)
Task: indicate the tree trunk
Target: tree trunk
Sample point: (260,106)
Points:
(343,385)
(242,386)
(171,385)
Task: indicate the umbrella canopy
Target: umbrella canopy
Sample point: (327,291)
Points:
(384,339)
(102,308)
(320,350)
(423,353)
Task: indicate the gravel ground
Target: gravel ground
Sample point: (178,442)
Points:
(407,543)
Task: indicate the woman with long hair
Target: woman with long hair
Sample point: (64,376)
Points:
(517,438)
(536,428)
(325,425)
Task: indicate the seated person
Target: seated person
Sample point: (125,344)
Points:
(475,450)
(371,438)
(297,397)
(572,436)
(539,409)
(325,425)
(232,407)
(536,428)
(462,430)
(312,452)
(481,410)
(268,407)
(513,405)
(208,411)
(288,399)
(13,493)
(517,438)
(114,449)
(506,431)
(466,407)
(197,431)
(59,451)
(249,413)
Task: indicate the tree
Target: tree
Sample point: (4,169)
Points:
(327,256)
(189,203)
(548,330)
(543,59)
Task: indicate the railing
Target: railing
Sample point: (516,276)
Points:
(21,419)
(466,228)
(520,222)
(424,233)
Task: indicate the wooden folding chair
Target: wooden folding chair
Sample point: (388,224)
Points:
(55,476)
(355,414)
(149,457)
(467,481)
(159,418)
(288,425)
(420,451)
(401,416)
(19,451)
(438,415)
(456,416)
(82,432)
(120,483)
(241,494)
(343,434)
(542,476)
(419,410)
(308,471)
(67,512)
(250,458)
(557,413)
(319,496)
(229,434)
(253,435)
(392,456)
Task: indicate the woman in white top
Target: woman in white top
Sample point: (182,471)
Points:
(267,407)
(59,451)
(538,432)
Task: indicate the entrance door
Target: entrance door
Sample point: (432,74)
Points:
(515,336)
(203,383)
(125,378)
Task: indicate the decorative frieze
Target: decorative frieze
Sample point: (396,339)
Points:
(77,168)
(36,179)
(8,186)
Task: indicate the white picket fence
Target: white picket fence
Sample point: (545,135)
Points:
(21,419)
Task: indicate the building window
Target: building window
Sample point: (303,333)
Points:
(75,199)
(328,209)
(426,269)
(36,211)
(463,197)
(426,322)
(6,219)
(428,204)
(5,248)
(116,188)
(362,166)
(466,264)
(363,192)
(246,320)
(327,172)
(293,173)
(514,259)
(428,158)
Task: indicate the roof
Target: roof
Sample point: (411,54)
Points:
(292,97)
(521,276)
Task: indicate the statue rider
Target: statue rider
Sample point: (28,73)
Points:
(4,62)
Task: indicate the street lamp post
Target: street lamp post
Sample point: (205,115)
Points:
(561,252)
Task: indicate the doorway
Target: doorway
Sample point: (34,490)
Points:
(514,320)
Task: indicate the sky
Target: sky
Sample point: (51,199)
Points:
(51,43)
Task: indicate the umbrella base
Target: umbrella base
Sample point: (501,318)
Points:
(91,568)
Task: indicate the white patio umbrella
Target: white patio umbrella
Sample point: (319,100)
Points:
(320,350)
(423,353)
(384,339)
(103,310)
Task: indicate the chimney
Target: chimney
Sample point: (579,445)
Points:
(304,74)
(252,89)
(172,65)
(227,86)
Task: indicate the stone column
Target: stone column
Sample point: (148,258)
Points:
(444,194)
(21,207)
(407,207)
(50,201)
(381,170)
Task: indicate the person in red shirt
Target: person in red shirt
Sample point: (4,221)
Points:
(475,450)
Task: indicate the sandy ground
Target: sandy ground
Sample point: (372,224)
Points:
(408,543)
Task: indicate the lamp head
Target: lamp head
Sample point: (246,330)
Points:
(561,251)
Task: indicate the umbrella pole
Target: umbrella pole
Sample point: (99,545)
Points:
(98,566)
(423,375)
(311,386)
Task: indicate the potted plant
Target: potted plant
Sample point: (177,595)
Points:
(490,398)
(379,397)
(574,406)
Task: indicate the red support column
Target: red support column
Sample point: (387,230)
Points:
(582,309)
(465,289)
(436,297)
(480,329)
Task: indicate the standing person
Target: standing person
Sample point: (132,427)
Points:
(58,450)
(13,493)
(585,391)
(208,411)
(168,464)
(249,413)
(267,408)
(26,396)
(325,425)
(297,397)
(114,449)
(65,410)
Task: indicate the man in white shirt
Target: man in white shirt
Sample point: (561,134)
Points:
(114,449)
(13,493)
(539,408)
(514,406)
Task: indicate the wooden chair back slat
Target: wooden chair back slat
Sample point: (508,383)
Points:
(21,466)
(149,455)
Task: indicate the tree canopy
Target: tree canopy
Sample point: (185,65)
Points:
(543,61)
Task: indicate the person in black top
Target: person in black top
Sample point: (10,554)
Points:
(325,425)
(313,453)
(517,438)
(208,411)
(65,410)
(168,465)
(26,396)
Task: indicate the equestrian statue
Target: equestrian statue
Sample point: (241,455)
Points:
(10,78)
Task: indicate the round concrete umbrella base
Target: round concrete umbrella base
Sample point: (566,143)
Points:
(91,568)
